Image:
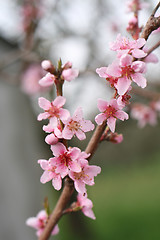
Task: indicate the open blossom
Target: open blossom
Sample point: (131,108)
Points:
(69,74)
(124,46)
(86,205)
(65,160)
(110,111)
(76,125)
(144,114)
(53,109)
(50,174)
(85,176)
(127,71)
(39,222)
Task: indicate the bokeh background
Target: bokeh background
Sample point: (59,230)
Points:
(126,195)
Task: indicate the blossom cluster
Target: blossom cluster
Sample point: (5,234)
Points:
(146,114)
(124,70)
(65,73)
(67,160)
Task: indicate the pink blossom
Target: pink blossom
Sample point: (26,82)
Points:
(51,139)
(151,58)
(30,78)
(65,160)
(155,105)
(85,176)
(76,125)
(126,71)
(144,114)
(53,109)
(46,64)
(115,138)
(123,100)
(110,112)
(86,205)
(102,72)
(48,80)
(134,5)
(50,174)
(55,129)
(124,46)
(39,222)
(69,74)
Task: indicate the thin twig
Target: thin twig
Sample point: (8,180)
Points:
(145,93)
(153,48)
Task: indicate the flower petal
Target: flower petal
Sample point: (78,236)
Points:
(139,79)
(123,85)
(58,149)
(100,118)
(111,122)
(44,103)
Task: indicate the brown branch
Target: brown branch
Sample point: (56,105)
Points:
(58,211)
(93,143)
(152,24)
(145,93)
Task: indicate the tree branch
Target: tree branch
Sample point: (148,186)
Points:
(153,48)
(58,211)
(152,24)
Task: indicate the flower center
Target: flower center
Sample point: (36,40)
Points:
(53,111)
(127,71)
(74,125)
(110,111)
(65,159)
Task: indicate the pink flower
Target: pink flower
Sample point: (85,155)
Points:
(123,100)
(39,223)
(102,72)
(76,125)
(124,46)
(115,138)
(126,71)
(69,74)
(86,206)
(144,114)
(55,129)
(48,80)
(50,174)
(65,160)
(30,78)
(53,109)
(110,112)
(85,176)
(134,5)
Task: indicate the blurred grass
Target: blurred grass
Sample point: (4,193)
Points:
(127,206)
